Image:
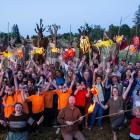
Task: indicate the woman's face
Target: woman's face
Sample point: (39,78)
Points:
(115,92)
(129,66)
(8,90)
(128,73)
(41,78)
(30,85)
(70,73)
(18,108)
(98,80)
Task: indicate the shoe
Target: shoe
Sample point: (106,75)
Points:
(89,128)
(101,128)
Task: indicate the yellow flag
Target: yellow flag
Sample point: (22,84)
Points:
(7,54)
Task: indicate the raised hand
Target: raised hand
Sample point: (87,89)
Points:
(131,80)
(96,70)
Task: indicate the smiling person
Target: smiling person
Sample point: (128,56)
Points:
(115,105)
(18,124)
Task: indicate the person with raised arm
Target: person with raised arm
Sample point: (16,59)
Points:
(115,105)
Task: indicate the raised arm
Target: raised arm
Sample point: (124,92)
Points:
(15,82)
(2,90)
(106,78)
(77,89)
(1,78)
(94,75)
(35,65)
(128,89)
(73,80)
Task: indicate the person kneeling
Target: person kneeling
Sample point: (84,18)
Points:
(68,116)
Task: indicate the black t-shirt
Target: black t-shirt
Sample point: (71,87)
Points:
(18,123)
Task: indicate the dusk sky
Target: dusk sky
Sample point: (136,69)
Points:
(26,13)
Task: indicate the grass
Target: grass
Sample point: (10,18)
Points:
(46,133)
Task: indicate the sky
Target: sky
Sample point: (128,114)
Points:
(26,13)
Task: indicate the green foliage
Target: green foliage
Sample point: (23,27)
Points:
(113,30)
(137,16)
(94,33)
(137,22)
(15,33)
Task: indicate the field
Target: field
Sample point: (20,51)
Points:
(45,133)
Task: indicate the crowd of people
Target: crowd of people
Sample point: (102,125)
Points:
(60,93)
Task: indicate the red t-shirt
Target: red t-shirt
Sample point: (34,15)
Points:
(135,126)
(80,98)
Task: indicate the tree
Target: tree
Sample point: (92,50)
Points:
(98,32)
(41,40)
(16,34)
(87,30)
(136,21)
(53,29)
(137,16)
(125,30)
(40,29)
(27,37)
(113,30)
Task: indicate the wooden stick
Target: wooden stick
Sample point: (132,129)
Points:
(105,116)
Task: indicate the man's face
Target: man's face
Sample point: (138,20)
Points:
(20,75)
(123,63)
(138,65)
(69,63)
(114,79)
(71,101)
(86,75)
(64,88)
(34,75)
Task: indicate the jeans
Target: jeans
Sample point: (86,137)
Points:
(98,111)
(77,134)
